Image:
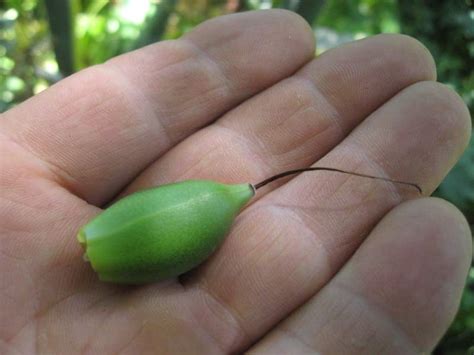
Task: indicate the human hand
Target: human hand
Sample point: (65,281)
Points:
(323,262)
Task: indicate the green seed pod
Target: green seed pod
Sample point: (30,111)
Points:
(166,231)
(161,232)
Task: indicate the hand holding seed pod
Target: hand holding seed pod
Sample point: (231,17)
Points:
(166,231)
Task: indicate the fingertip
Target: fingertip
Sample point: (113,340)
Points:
(268,28)
(411,52)
(301,29)
(445,221)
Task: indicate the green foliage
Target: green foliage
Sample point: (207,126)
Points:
(308,9)
(88,32)
(25,52)
(363,17)
(459,340)
(447,29)
(155,26)
(458,186)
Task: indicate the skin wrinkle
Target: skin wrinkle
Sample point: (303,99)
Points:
(213,341)
(191,317)
(261,241)
(216,44)
(331,267)
(140,54)
(265,30)
(382,313)
(190,57)
(336,314)
(263,166)
(64,277)
(34,305)
(190,306)
(335,115)
(298,110)
(218,343)
(236,319)
(134,337)
(42,313)
(342,244)
(265,256)
(189,108)
(190,168)
(314,193)
(142,57)
(390,61)
(33,322)
(11,229)
(85,279)
(62,177)
(347,179)
(6,348)
(196,53)
(146,105)
(283,154)
(368,159)
(290,213)
(287,331)
(221,73)
(65,174)
(9,256)
(95,335)
(58,175)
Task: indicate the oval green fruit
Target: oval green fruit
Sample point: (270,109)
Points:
(161,232)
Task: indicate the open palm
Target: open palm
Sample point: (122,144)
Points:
(323,262)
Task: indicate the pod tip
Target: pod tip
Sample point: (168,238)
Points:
(81,238)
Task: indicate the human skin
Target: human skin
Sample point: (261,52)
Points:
(321,262)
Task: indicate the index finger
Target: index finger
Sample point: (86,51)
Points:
(98,129)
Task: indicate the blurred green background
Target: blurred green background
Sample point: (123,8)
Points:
(42,41)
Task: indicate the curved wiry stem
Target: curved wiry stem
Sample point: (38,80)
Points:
(296,171)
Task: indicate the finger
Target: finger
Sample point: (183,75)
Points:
(396,295)
(98,129)
(286,246)
(298,120)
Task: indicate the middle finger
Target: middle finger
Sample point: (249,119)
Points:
(298,120)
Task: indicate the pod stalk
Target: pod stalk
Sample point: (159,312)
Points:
(296,171)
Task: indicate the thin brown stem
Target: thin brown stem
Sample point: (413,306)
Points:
(296,171)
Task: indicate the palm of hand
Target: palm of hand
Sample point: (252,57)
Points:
(315,264)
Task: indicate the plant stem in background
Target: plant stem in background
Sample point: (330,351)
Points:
(308,9)
(155,26)
(61,23)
